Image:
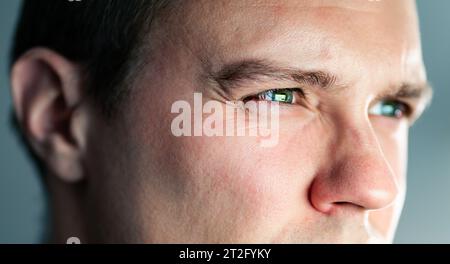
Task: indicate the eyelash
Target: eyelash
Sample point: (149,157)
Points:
(406,109)
(295,91)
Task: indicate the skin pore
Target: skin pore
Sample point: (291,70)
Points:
(337,175)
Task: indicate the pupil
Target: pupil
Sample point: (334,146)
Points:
(388,109)
(281,96)
(391,109)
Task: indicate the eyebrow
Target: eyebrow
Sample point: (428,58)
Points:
(231,76)
(421,92)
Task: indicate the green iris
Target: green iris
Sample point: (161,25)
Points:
(390,109)
(281,96)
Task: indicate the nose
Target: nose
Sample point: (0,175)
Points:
(358,175)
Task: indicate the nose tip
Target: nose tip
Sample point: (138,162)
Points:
(364,181)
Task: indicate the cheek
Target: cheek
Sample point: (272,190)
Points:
(258,178)
(264,187)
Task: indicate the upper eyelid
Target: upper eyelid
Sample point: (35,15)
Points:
(275,89)
(256,86)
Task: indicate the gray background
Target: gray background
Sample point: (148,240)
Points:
(426,216)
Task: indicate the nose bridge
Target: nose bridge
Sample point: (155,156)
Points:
(358,174)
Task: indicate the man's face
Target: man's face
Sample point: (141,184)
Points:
(337,173)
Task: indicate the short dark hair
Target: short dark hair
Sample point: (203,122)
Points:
(104,36)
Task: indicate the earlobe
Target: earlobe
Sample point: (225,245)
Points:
(47,91)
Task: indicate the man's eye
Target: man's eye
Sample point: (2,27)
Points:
(285,96)
(392,109)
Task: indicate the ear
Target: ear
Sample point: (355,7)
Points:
(47,93)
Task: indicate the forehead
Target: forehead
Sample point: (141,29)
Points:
(309,34)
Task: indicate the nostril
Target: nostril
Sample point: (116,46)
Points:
(347,204)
